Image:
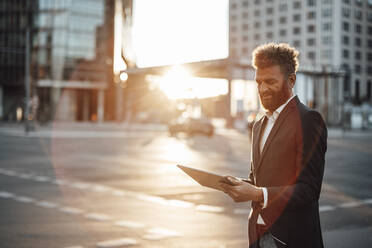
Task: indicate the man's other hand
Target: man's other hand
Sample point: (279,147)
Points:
(239,190)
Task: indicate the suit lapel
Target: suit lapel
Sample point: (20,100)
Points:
(256,141)
(283,115)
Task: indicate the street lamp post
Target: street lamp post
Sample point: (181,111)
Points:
(27,80)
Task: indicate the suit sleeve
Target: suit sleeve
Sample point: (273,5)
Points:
(310,155)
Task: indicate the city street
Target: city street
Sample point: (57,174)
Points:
(109,186)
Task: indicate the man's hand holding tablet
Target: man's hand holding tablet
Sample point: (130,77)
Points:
(236,188)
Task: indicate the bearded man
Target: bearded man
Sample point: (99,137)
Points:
(288,155)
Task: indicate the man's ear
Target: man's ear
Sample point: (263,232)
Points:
(291,80)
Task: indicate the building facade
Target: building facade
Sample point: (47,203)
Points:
(70,58)
(334,38)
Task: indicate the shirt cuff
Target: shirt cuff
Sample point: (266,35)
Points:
(264,191)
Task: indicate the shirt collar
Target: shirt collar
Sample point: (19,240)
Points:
(277,112)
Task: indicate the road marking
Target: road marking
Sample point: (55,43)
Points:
(5,194)
(24,199)
(158,232)
(242,211)
(116,192)
(60,182)
(98,217)
(129,224)
(181,204)
(99,188)
(326,208)
(80,185)
(209,208)
(117,243)
(71,210)
(40,178)
(46,204)
(350,204)
(9,173)
(145,197)
(24,176)
(368,201)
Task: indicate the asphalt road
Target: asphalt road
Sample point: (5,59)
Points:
(112,188)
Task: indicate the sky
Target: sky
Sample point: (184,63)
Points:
(179,31)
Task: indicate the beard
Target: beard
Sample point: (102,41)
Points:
(276,99)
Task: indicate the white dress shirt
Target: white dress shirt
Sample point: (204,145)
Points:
(271,118)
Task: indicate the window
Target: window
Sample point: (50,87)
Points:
(245,15)
(234,17)
(345,40)
(327,40)
(233,6)
(257,13)
(245,26)
(233,40)
(370,30)
(345,26)
(311,55)
(283,7)
(345,53)
(358,55)
(269,11)
(327,26)
(327,54)
(245,38)
(257,1)
(327,12)
(257,36)
(269,35)
(369,72)
(346,1)
(311,15)
(297,5)
(297,30)
(310,42)
(370,2)
(283,20)
(358,42)
(346,12)
(358,68)
(269,22)
(359,2)
(297,18)
(327,1)
(282,32)
(297,43)
(257,24)
(245,50)
(358,28)
(369,16)
(233,29)
(311,28)
(245,4)
(358,14)
(369,56)
(369,43)
(310,2)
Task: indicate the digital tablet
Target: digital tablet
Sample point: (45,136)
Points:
(204,178)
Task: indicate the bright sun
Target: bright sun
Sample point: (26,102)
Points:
(178,83)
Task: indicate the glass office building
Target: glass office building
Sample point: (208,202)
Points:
(69,63)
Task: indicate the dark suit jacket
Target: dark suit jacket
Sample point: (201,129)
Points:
(291,167)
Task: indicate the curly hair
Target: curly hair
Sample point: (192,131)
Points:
(272,54)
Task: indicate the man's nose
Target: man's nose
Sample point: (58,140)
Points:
(262,88)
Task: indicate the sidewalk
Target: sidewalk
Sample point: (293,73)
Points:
(80,129)
(115,128)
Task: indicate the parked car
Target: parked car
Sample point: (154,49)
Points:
(191,126)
